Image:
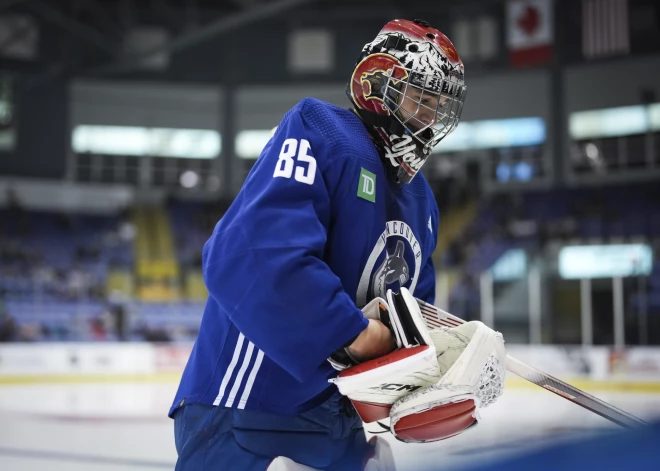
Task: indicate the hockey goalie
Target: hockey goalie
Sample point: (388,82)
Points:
(435,382)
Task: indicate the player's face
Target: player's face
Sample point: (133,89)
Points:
(419,108)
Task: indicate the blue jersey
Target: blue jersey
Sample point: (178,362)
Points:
(315,233)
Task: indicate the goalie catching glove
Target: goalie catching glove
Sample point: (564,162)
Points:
(427,399)
(471,359)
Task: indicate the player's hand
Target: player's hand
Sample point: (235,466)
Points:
(374,341)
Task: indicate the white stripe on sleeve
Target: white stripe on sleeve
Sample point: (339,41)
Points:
(230,369)
(239,377)
(250,381)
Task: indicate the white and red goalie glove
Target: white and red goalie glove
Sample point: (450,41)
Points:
(375,385)
(432,386)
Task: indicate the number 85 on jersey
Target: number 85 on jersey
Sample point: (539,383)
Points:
(285,163)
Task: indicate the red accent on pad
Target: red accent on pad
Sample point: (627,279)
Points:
(437,424)
(371,412)
(385,360)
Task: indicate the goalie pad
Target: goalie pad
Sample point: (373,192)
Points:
(373,386)
(471,358)
(380,456)
(282,463)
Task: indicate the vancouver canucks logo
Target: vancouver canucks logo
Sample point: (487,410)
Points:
(394,262)
(394,269)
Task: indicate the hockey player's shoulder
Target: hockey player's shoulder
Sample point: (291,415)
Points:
(326,118)
(314,109)
(338,128)
(335,135)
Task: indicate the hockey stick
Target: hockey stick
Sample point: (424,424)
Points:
(436,317)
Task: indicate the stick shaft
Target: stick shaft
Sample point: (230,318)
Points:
(436,317)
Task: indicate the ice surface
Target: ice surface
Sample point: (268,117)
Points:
(124,427)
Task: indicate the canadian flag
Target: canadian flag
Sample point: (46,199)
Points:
(529,32)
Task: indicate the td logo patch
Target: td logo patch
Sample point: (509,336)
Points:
(367,186)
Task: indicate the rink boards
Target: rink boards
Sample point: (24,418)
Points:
(630,369)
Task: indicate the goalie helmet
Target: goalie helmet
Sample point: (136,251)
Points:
(408,88)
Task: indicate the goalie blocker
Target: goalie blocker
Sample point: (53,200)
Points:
(375,385)
(433,385)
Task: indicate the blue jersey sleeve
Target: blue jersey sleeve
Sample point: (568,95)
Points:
(425,289)
(264,262)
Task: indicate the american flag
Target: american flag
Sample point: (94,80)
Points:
(605,28)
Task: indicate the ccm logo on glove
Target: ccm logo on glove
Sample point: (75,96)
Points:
(397,387)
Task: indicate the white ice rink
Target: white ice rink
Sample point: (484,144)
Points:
(123,427)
